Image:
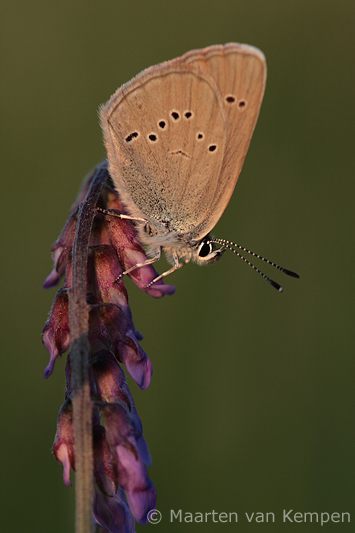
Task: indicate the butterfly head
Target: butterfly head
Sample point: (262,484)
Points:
(206,251)
(203,252)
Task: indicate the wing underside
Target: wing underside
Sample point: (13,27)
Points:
(178,133)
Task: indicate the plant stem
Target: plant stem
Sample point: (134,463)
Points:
(79,328)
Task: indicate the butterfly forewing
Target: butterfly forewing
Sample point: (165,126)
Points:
(178,133)
(166,134)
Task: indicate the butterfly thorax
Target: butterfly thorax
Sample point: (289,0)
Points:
(179,246)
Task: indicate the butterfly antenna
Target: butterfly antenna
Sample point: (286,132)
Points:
(223,242)
(227,244)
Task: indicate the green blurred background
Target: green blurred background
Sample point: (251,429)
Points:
(250,407)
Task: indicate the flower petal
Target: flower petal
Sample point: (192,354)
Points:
(113,512)
(120,332)
(63,446)
(133,477)
(55,334)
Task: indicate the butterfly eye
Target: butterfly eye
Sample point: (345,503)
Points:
(205,249)
(206,252)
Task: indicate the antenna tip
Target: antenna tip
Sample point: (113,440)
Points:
(290,273)
(275,285)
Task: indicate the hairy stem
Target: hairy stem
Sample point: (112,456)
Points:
(79,328)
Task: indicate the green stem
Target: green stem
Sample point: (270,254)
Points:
(79,328)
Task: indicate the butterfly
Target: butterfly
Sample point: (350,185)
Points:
(176,137)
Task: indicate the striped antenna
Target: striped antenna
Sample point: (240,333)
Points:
(229,244)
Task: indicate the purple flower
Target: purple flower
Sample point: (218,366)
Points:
(63,446)
(125,240)
(123,491)
(110,322)
(112,512)
(110,230)
(110,507)
(120,451)
(55,334)
(60,251)
(119,332)
(132,474)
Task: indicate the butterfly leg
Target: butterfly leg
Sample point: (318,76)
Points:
(176,266)
(117,213)
(138,265)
